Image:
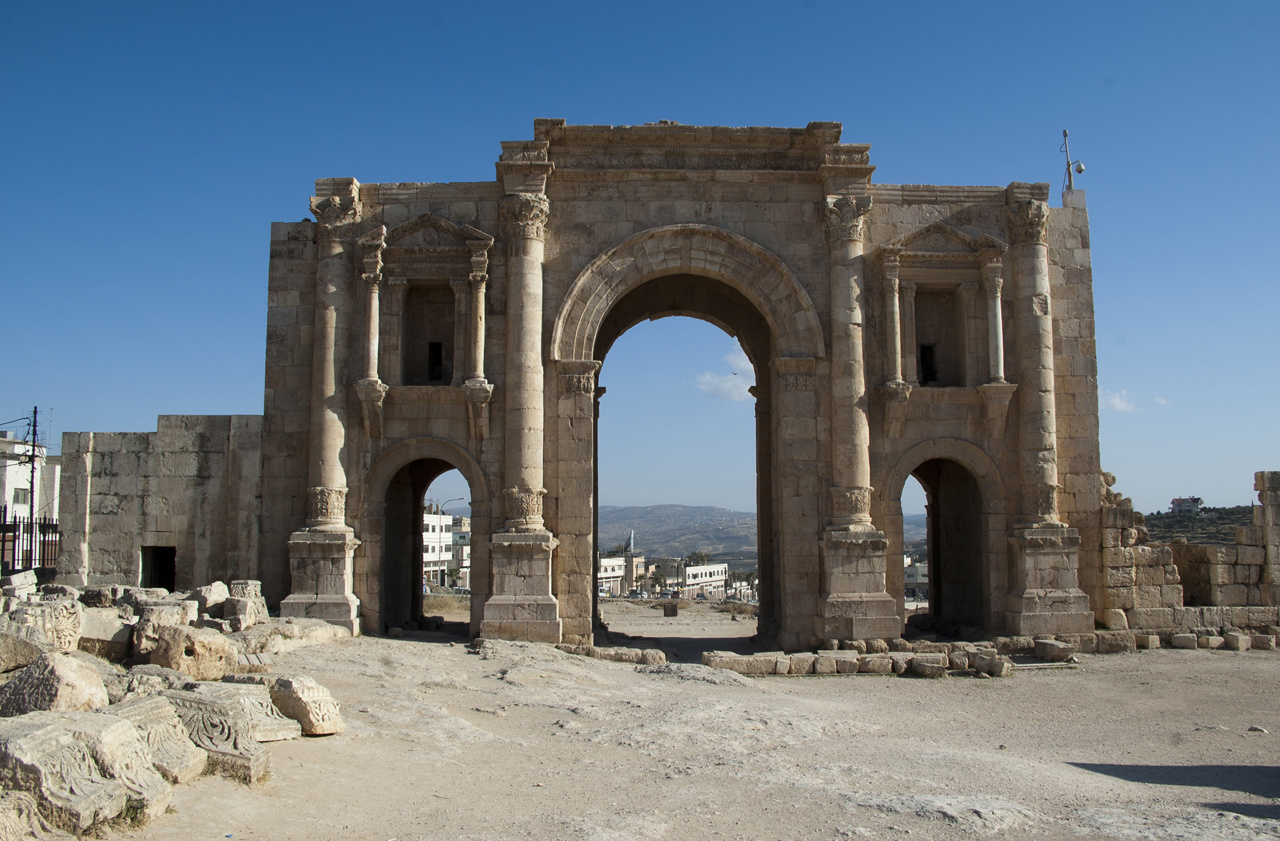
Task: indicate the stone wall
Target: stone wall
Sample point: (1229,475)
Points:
(194,484)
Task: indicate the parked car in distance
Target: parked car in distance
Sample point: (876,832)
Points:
(462,591)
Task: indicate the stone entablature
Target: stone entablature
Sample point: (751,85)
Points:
(894,329)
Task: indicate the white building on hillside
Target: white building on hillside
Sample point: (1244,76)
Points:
(437,545)
(462,550)
(15,478)
(705,579)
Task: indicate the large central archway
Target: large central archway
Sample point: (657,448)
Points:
(724,279)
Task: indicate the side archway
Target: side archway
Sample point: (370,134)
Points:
(385,578)
(688,249)
(968,556)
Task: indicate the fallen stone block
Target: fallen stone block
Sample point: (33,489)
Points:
(848,664)
(859,646)
(1146,641)
(266,723)
(21,645)
(930,664)
(104,634)
(173,753)
(1236,641)
(901,661)
(1114,642)
(281,635)
(20,584)
(1183,641)
(210,598)
(1210,641)
(1053,651)
(930,647)
(1084,643)
(56,682)
(875,664)
(98,597)
(122,754)
(1263,642)
(59,620)
(824,664)
(994,666)
(959,660)
(151,619)
(310,704)
(221,728)
(222,626)
(249,606)
(199,652)
(876,646)
(20,818)
(801,664)
(46,760)
(1115,620)
(1015,645)
(900,645)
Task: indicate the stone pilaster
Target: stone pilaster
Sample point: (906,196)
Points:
(521,605)
(890,260)
(853,603)
(370,389)
(908,303)
(1045,595)
(320,554)
(461,346)
(992,284)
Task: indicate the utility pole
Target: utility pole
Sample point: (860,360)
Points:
(35,410)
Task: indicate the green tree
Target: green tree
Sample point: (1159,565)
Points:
(697,558)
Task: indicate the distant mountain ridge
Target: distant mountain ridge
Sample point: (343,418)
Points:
(673,531)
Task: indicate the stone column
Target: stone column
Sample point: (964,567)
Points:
(476,352)
(910,369)
(461,301)
(889,257)
(320,554)
(853,602)
(993,283)
(369,389)
(965,293)
(1045,596)
(522,605)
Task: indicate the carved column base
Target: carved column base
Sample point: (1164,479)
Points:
(855,604)
(851,511)
(522,607)
(321,567)
(1045,597)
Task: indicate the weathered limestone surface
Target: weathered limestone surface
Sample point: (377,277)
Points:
(46,760)
(202,653)
(21,645)
(103,633)
(121,753)
(221,728)
(173,753)
(303,700)
(20,818)
(58,682)
(266,723)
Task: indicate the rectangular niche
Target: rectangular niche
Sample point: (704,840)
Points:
(427,343)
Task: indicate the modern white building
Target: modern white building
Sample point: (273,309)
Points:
(462,550)
(15,478)
(704,579)
(612,572)
(437,545)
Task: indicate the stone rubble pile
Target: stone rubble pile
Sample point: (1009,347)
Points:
(982,659)
(85,740)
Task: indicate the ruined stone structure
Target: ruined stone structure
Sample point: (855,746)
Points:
(895,330)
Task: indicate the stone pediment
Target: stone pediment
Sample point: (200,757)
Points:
(432,231)
(940,243)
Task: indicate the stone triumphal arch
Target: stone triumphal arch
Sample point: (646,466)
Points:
(942,332)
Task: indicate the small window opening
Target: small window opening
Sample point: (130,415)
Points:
(928,365)
(21,496)
(160,567)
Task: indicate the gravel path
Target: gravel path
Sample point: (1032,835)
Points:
(522,741)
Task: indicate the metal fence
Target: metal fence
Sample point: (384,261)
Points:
(26,542)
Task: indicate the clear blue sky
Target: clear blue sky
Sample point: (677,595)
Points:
(146,149)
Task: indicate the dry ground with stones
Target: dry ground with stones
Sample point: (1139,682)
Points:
(524,741)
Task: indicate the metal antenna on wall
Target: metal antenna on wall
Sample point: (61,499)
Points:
(1079,167)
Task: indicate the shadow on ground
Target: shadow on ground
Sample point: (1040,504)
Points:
(1258,780)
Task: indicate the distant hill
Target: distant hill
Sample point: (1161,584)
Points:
(1211,526)
(673,531)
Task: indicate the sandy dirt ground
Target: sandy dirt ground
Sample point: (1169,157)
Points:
(522,741)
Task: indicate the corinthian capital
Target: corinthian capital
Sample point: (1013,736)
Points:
(1028,221)
(334,214)
(526,214)
(845,217)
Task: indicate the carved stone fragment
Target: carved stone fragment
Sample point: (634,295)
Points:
(173,753)
(265,721)
(53,682)
(47,761)
(222,729)
(104,634)
(303,700)
(21,645)
(121,754)
(20,818)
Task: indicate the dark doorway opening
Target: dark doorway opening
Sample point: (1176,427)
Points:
(954,546)
(160,567)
